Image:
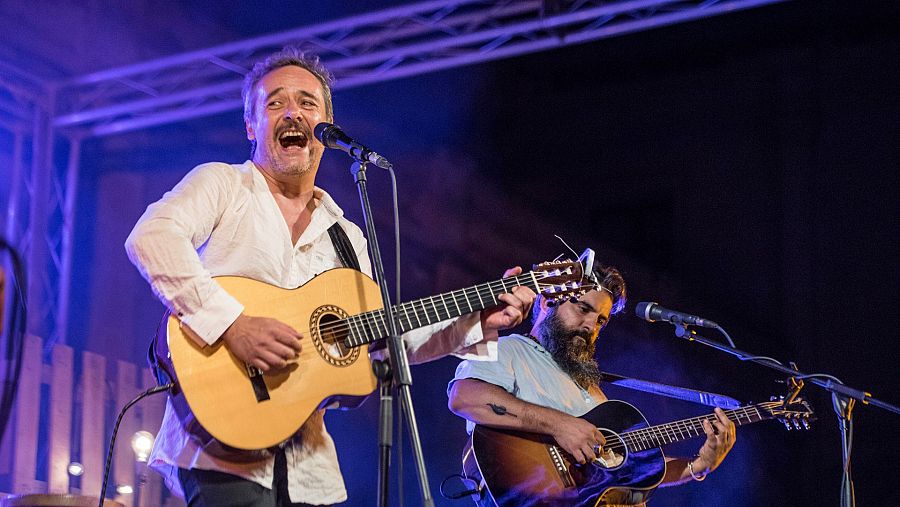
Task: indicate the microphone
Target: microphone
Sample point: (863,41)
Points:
(333,137)
(652,312)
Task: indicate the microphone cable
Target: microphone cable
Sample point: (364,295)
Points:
(15,338)
(115,431)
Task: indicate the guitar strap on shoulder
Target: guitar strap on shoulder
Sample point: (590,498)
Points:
(343,247)
(680,393)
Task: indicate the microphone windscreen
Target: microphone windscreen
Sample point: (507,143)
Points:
(319,131)
(642,310)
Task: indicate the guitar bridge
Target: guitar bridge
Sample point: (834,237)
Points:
(560,465)
(258,383)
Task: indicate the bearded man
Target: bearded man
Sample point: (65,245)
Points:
(542,382)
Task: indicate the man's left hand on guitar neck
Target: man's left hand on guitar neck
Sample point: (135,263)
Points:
(516,305)
(720,438)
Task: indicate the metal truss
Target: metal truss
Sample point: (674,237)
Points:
(40,205)
(380,46)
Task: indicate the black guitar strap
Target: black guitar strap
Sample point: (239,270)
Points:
(680,393)
(343,247)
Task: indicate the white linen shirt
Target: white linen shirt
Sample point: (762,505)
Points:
(222,219)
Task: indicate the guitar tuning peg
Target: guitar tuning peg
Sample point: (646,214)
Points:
(787,424)
(805,424)
(796,424)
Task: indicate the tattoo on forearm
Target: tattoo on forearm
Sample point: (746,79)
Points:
(500,410)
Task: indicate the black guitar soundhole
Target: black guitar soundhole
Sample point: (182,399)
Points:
(330,328)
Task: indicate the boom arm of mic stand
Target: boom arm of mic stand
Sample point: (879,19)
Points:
(829,385)
(842,396)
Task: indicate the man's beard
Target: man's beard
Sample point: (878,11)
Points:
(573,355)
(288,169)
(272,159)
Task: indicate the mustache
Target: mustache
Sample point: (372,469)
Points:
(292,125)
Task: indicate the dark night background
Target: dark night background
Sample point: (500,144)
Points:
(738,167)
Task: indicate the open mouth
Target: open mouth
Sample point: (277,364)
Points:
(291,137)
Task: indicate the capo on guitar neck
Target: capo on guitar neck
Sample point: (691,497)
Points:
(795,386)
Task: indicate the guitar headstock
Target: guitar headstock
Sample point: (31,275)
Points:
(560,280)
(794,412)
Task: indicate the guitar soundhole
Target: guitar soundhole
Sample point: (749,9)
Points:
(330,329)
(614,452)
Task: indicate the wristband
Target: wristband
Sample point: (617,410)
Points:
(694,476)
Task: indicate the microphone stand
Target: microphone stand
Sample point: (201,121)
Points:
(399,363)
(844,398)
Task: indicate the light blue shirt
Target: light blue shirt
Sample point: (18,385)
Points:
(527,371)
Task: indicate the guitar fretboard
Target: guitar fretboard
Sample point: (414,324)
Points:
(370,326)
(662,434)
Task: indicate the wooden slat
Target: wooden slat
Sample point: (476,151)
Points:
(93,437)
(151,418)
(28,407)
(124,459)
(61,382)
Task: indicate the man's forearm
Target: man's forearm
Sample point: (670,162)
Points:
(490,405)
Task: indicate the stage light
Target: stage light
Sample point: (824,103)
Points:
(124,489)
(141,444)
(75,469)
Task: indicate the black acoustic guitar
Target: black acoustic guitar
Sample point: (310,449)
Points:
(527,469)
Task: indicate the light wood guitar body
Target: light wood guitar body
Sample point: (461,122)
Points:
(220,390)
(228,405)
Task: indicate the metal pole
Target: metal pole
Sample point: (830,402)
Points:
(12,207)
(36,235)
(67,232)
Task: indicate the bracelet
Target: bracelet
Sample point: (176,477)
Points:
(694,476)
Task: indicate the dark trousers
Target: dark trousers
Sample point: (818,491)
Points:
(206,488)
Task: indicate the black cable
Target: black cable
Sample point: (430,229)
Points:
(398,413)
(727,336)
(115,431)
(15,336)
(460,494)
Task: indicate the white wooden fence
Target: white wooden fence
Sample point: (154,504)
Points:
(66,414)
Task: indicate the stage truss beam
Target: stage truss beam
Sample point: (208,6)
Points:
(389,44)
(365,49)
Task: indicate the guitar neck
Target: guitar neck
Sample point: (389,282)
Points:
(370,326)
(662,434)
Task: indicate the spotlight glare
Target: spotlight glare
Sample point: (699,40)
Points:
(141,444)
(75,469)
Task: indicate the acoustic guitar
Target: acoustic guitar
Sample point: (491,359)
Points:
(229,405)
(514,468)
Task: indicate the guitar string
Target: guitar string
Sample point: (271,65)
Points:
(660,433)
(371,319)
(637,440)
(374,320)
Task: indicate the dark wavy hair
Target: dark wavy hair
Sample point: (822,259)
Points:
(289,55)
(610,279)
